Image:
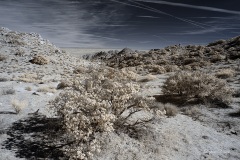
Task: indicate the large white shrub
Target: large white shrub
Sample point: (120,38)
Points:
(198,85)
(103,102)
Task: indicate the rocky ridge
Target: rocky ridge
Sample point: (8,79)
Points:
(173,58)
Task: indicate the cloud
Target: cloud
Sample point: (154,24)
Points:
(192,6)
(79,23)
(108,38)
(205,31)
(148,17)
(231,17)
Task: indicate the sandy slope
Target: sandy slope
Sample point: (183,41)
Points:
(180,137)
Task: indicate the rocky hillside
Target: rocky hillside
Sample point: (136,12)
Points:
(23,54)
(172,58)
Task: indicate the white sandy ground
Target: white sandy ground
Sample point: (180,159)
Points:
(180,137)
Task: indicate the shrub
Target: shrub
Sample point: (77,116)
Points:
(79,70)
(19,52)
(198,85)
(28,88)
(171,68)
(192,111)
(216,58)
(8,91)
(19,105)
(225,73)
(155,69)
(40,60)
(103,102)
(47,89)
(147,78)
(29,77)
(236,93)
(2,57)
(63,85)
(171,110)
(2,79)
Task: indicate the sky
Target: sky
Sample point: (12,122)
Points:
(137,24)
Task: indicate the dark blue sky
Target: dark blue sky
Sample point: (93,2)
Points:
(138,24)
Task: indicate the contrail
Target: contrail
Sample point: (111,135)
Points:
(139,5)
(142,6)
(198,24)
(192,6)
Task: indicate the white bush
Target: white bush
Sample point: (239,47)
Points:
(101,103)
(198,85)
(225,73)
(18,105)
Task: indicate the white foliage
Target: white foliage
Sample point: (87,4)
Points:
(97,104)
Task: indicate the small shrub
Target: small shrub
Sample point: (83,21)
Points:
(29,77)
(18,105)
(28,88)
(171,68)
(216,58)
(225,73)
(46,89)
(8,91)
(40,60)
(129,73)
(147,78)
(198,85)
(63,85)
(236,93)
(171,110)
(2,57)
(192,111)
(3,79)
(79,70)
(155,69)
(188,61)
(19,52)
(187,67)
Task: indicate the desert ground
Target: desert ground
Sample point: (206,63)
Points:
(70,103)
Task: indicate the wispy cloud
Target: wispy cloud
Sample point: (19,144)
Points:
(108,38)
(204,31)
(69,24)
(192,6)
(148,17)
(231,17)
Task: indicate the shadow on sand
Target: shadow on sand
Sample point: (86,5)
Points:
(235,114)
(36,137)
(184,101)
(176,100)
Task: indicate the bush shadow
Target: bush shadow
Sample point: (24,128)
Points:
(235,114)
(36,137)
(181,101)
(176,100)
